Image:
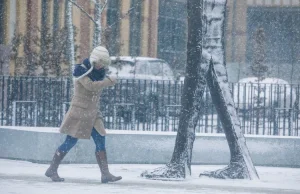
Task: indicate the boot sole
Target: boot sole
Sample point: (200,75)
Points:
(54,180)
(110,181)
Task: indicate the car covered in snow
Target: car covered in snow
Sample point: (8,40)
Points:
(271,93)
(143,68)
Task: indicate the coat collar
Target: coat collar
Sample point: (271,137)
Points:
(80,71)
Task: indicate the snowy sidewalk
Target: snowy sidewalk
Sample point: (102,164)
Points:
(19,177)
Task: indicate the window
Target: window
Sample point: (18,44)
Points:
(2,4)
(142,67)
(55,16)
(113,27)
(44,24)
(172,28)
(153,67)
(282,33)
(12,19)
(135,27)
(160,68)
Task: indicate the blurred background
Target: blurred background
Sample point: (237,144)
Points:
(154,28)
(147,37)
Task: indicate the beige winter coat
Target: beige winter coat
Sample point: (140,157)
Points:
(84,112)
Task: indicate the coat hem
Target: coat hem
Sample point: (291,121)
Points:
(72,135)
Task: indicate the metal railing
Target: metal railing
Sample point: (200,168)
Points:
(265,109)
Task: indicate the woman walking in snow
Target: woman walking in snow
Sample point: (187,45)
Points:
(84,118)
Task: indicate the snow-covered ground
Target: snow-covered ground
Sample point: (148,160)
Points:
(20,177)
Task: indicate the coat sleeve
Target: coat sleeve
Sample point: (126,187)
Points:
(96,85)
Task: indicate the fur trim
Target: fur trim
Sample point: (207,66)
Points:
(86,73)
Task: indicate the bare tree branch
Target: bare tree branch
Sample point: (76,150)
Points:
(103,7)
(81,9)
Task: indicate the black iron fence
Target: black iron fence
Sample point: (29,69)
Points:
(266,109)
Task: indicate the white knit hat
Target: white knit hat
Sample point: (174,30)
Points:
(100,57)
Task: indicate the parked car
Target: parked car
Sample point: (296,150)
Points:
(145,68)
(269,93)
(143,83)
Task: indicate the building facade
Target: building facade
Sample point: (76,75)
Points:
(158,28)
(279,19)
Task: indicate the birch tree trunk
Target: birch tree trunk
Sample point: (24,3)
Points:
(43,54)
(180,165)
(97,30)
(99,7)
(70,42)
(241,166)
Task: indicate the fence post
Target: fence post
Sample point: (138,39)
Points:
(35,114)
(115,118)
(290,121)
(167,119)
(133,118)
(14,113)
(2,100)
(275,132)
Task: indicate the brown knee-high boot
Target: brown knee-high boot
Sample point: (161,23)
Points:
(103,165)
(52,170)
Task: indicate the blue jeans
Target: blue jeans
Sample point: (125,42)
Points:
(71,141)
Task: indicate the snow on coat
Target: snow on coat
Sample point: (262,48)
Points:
(84,112)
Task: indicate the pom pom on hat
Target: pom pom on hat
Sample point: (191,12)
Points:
(100,57)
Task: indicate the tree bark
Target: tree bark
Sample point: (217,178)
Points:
(97,30)
(99,7)
(180,165)
(70,42)
(241,166)
(70,31)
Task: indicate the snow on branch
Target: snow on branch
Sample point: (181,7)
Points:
(81,9)
(103,7)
